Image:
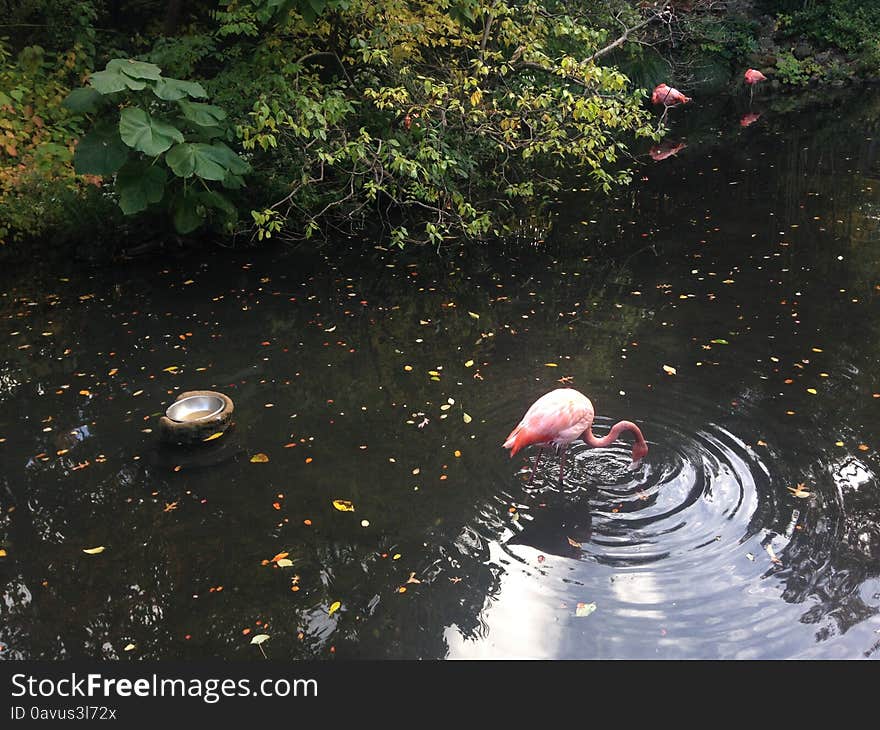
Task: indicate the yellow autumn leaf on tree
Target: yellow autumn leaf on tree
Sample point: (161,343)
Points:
(343,505)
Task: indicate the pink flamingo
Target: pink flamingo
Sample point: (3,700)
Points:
(558,418)
(667,96)
(752,77)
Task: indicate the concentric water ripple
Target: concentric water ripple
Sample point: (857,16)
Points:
(674,551)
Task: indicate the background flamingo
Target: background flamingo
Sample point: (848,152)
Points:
(558,418)
(753,77)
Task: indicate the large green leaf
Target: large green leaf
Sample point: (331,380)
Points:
(139,185)
(145,133)
(135,69)
(109,82)
(82,101)
(100,152)
(223,155)
(194,158)
(205,115)
(175,89)
(189,214)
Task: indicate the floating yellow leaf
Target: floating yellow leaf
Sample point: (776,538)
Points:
(811,391)
(334,607)
(466,418)
(434,373)
(94,550)
(573,543)
(259,459)
(170,369)
(129,647)
(799,491)
(584,609)
(2,553)
(474,315)
(343,505)
(284,563)
(669,370)
(551,365)
(259,638)
(84,392)
(469,364)
(213,436)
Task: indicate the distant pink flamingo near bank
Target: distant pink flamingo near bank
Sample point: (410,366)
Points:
(752,78)
(558,418)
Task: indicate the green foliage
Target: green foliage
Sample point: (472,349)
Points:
(431,118)
(850,25)
(36,138)
(158,130)
(791,71)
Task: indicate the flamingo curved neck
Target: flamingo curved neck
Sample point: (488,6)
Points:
(614,434)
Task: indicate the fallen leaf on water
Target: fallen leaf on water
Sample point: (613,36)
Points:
(84,392)
(278,557)
(469,364)
(769,549)
(170,369)
(761,443)
(334,607)
(284,563)
(259,638)
(129,647)
(551,365)
(412,578)
(2,553)
(811,391)
(343,505)
(799,491)
(719,341)
(750,556)
(94,550)
(213,436)
(669,370)
(466,418)
(584,609)
(259,459)
(863,447)
(573,543)
(474,315)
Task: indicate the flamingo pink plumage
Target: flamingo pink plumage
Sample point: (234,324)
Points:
(752,77)
(560,417)
(667,96)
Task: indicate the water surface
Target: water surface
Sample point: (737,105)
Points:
(727,303)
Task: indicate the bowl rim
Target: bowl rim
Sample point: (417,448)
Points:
(216,412)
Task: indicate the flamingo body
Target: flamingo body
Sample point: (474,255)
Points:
(667,96)
(560,417)
(753,76)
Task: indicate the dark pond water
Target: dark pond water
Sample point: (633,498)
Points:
(748,264)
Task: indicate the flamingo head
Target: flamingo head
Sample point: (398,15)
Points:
(640,450)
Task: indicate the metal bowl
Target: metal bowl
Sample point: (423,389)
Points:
(195,408)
